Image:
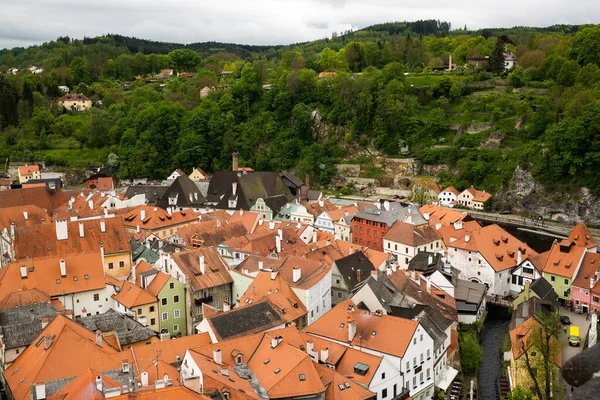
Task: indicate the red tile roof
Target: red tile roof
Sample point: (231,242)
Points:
(84,387)
(28,169)
(478,195)
(74,97)
(132,296)
(582,236)
(216,271)
(167,393)
(20,298)
(43,198)
(334,381)
(563,258)
(155,218)
(589,266)
(408,234)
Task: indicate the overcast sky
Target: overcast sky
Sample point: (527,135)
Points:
(27,22)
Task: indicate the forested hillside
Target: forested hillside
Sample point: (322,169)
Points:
(387,97)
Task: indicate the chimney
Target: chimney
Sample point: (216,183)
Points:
(296,274)
(358,275)
(199,218)
(278,243)
(350,250)
(142,214)
(99,385)
(69,314)
(309,346)
(217,357)
(271,225)
(351,329)
(241,212)
(280,233)
(63,268)
(307,182)
(40,391)
(99,338)
(260,265)
(315,236)
(81,230)
(438,226)
(321,203)
(386,205)
(137,229)
(202,265)
(144,378)
(224,369)
(275,341)
(62,232)
(467,238)
(378,204)
(234,161)
(102,226)
(23,269)
(25,215)
(226,306)
(45,322)
(519,256)
(324,354)
(273,275)
(234,187)
(91,204)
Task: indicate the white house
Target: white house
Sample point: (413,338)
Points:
(447,197)
(327,219)
(473,198)
(343,229)
(405,241)
(489,257)
(525,273)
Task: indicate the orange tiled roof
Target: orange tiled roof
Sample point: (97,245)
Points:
(248,218)
(155,217)
(335,215)
(498,247)
(158,282)
(452,189)
(327,254)
(438,214)
(211,232)
(216,272)
(563,258)
(352,357)
(28,169)
(276,289)
(167,393)
(589,266)
(392,334)
(41,197)
(316,209)
(84,272)
(582,236)
(25,297)
(404,233)
(312,272)
(113,239)
(132,296)
(66,349)
(479,195)
(334,381)
(105,183)
(16,215)
(79,206)
(84,387)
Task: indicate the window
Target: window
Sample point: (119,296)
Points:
(139,311)
(428,374)
(415,362)
(552,278)
(176,298)
(384,393)
(176,313)
(151,308)
(389,245)
(421,377)
(339,295)
(415,341)
(421,358)
(215,289)
(596,299)
(163,301)
(406,250)
(566,281)
(414,382)
(337,281)
(121,264)
(428,354)
(172,285)
(110,266)
(407,365)
(421,339)
(176,328)
(216,303)
(165,316)
(96,297)
(383,375)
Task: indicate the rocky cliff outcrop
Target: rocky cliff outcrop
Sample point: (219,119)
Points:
(530,197)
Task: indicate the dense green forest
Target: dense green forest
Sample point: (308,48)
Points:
(388,97)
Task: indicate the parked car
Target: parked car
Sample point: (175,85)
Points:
(574,338)
(565,320)
(505,212)
(398,196)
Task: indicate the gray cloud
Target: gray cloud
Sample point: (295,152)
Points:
(26,22)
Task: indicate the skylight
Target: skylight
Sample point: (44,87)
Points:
(302,377)
(278,370)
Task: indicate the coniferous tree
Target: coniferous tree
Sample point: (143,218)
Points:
(496,65)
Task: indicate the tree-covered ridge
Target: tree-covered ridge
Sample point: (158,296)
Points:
(271,106)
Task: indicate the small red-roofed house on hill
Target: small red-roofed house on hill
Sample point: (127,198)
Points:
(28,172)
(75,102)
(473,198)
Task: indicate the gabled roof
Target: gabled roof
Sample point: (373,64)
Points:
(19,326)
(521,338)
(354,268)
(158,283)
(216,272)
(24,297)
(182,193)
(256,317)
(428,184)
(63,349)
(74,97)
(478,195)
(131,296)
(452,190)
(29,239)
(211,232)
(563,258)
(155,217)
(392,334)
(84,387)
(582,236)
(588,270)
(334,381)
(84,272)
(128,330)
(408,234)
(273,286)
(167,393)
(499,248)
(42,197)
(544,290)
(28,169)
(153,193)
(319,207)
(396,212)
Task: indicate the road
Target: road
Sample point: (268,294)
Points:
(570,351)
(560,228)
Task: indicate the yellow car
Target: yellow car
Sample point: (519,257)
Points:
(574,339)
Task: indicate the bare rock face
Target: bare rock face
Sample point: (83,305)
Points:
(530,197)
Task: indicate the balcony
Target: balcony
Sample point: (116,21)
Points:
(203,300)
